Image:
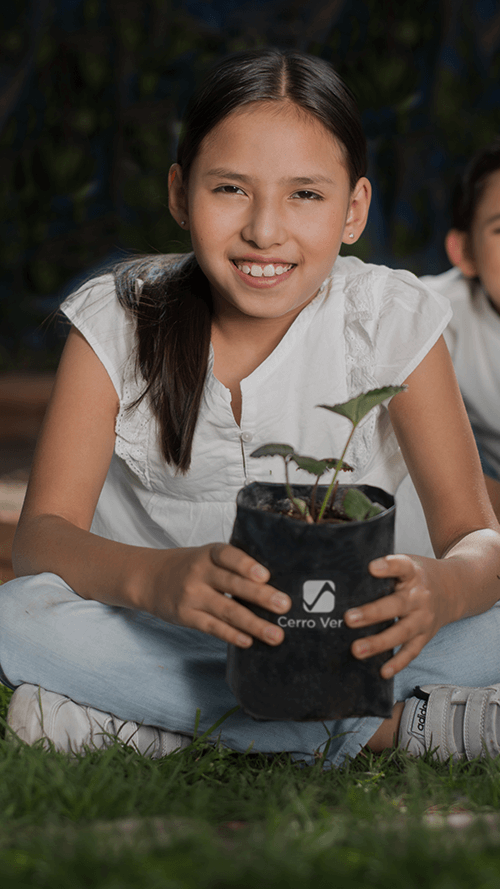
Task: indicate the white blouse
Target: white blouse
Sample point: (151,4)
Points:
(368,326)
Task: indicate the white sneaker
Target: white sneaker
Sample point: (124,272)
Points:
(450,720)
(35,713)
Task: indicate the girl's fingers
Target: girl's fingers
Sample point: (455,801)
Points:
(262,595)
(222,576)
(411,593)
(233,559)
(237,623)
(403,657)
(400,566)
(227,632)
(398,604)
(400,633)
(411,604)
(241,576)
(386,641)
(233,612)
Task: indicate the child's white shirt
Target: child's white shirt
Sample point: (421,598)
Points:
(473,338)
(369,326)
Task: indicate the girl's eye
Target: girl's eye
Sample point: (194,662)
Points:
(307,196)
(229,189)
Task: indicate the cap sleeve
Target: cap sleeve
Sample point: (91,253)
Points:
(392,320)
(460,291)
(95,311)
(412,318)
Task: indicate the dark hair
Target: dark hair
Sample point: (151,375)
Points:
(173,310)
(275,75)
(471,185)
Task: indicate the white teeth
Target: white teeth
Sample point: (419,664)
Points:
(268,271)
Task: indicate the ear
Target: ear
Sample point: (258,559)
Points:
(177,197)
(357,214)
(457,246)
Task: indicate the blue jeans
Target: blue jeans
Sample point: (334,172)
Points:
(138,667)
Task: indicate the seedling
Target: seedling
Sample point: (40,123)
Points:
(356,505)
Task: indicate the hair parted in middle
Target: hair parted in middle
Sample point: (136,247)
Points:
(173,309)
(272,75)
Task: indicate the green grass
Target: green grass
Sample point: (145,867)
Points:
(209,819)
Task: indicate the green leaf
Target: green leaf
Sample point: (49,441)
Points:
(309,464)
(356,408)
(358,506)
(332,462)
(273,450)
(301,505)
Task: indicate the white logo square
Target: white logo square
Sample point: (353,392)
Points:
(318,596)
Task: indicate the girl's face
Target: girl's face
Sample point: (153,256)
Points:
(268,204)
(485,239)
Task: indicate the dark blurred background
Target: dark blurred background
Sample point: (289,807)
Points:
(91,93)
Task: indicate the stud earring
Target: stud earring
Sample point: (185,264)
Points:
(351,235)
(183,222)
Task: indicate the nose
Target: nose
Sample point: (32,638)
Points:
(264,226)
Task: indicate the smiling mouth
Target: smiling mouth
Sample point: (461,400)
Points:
(263,270)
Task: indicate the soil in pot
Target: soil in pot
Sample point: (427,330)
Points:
(323,567)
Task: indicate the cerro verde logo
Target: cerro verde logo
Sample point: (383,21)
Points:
(318,596)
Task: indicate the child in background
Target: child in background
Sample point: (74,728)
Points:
(473,287)
(175,369)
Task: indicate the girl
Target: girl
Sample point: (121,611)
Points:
(473,286)
(174,371)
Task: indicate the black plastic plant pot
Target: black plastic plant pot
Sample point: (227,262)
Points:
(323,567)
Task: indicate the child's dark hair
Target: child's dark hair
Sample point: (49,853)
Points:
(173,310)
(471,185)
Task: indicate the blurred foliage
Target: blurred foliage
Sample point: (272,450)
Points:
(92,91)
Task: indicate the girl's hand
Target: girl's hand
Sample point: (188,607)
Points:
(412,603)
(190,587)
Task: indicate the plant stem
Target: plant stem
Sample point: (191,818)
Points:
(312,505)
(287,481)
(290,492)
(334,479)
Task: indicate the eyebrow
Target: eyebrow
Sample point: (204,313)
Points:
(494,218)
(222,173)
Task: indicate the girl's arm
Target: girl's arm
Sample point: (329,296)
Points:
(184,586)
(438,445)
